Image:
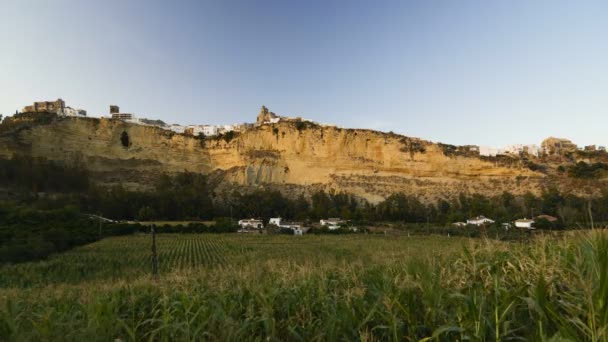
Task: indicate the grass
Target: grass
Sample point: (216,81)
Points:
(313,288)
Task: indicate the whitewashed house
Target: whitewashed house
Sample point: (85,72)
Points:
(332,223)
(273,120)
(479,221)
(277,221)
(177,128)
(251,224)
(490,151)
(533,150)
(221,129)
(524,223)
(210,130)
(514,149)
(69,111)
(193,130)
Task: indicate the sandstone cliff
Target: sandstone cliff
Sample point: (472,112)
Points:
(288,156)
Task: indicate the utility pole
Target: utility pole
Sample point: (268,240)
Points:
(231,221)
(590,214)
(532,213)
(154,256)
(99,220)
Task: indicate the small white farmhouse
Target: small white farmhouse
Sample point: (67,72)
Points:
(331,223)
(524,223)
(251,223)
(275,220)
(479,221)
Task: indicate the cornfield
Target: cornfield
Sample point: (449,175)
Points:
(312,288)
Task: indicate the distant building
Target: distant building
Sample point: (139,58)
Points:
(516,149)
(117,115)
(123,116)
(332,223)
(487,151)
(69,111)
(524,223)
(225,128)
(265,116)
(277,221)
(459,224)
(194,131)
(251,224)
(210,130)
(554,145)
(56,107)
(533,150)
(177,128)
(480,221)
(590,148)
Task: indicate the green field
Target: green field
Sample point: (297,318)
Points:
(350,287)
(129,257)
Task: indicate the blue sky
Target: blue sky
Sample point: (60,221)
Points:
(478,72)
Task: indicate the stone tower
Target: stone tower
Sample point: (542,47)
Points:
(265,116)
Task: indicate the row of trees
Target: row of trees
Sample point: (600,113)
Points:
(34,226)
(185,196)
(189,196)
(28,233)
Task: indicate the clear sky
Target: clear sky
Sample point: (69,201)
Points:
(480,72)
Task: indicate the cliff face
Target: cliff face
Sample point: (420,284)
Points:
(287,156)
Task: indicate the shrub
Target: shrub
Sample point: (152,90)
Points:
(585,170)
(124,139)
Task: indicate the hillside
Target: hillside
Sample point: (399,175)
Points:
(292,157)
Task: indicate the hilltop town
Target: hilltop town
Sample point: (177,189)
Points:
(549,146)
(59,108)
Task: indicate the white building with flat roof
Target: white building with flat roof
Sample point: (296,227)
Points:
(210,130)
(251,223)
(488,151)
(524,223)
(480,220)
(177,128)
(332,223)
(69,111)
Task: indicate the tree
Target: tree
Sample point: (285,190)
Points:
(145,214)
(201,138)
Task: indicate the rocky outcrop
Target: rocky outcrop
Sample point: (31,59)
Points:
(293,157)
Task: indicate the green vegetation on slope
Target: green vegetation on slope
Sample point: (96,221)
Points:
(190,196)
(586,170)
